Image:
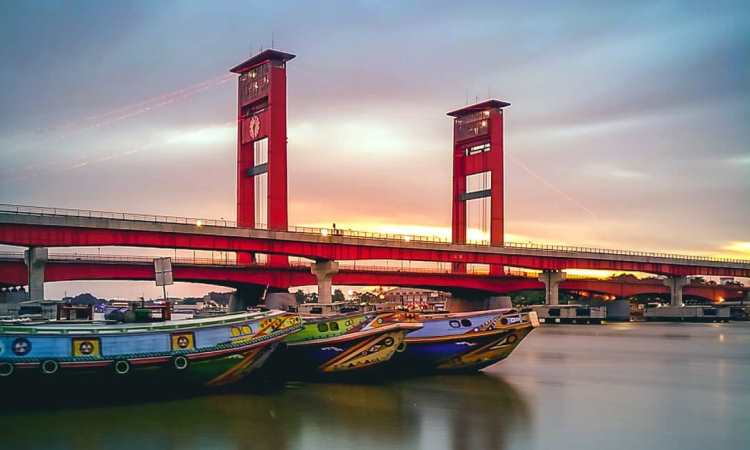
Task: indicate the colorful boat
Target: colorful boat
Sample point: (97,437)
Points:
(205,352)
(340,343)
(460,341)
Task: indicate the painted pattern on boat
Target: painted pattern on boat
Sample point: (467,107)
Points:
(343,343)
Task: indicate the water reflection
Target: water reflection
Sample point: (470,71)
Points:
(457,412)
(636,386)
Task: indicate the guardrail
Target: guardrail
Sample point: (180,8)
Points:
(294,262)
(94,214)
(336,232)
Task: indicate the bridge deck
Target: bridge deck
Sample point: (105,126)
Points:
(73,267)
(30,226)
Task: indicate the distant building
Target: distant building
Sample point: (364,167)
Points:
(418,299)
(217,298)
(11,299)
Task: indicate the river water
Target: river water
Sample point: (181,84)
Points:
(617,386)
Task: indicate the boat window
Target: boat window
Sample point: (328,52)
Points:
(334,326)
(322,327)
(466,322)
(454,323)
(582,312)
(554,312)
(710,312)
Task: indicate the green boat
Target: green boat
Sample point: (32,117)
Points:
(340,343)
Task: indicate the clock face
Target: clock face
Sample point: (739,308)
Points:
(254,127)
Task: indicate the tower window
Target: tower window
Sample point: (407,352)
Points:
(479,181)
(260,151)
(473,150)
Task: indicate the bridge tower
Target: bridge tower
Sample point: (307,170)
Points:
(478,171)
(261,145)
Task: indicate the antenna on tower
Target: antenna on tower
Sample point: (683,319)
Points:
(467,96)
(272,46)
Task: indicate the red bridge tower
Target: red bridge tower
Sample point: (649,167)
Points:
(478,170)
(261,145)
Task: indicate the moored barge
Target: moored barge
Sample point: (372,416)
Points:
(461,342)
(340,343)
(206,352)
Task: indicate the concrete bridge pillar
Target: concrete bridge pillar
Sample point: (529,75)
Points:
(324,272)
(35,259)
(245,297)
(675,285)
(552,280)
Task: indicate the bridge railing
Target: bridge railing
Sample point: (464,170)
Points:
(298,264)
(368,235)
(230,261)
(522,245)
(604,251)
(95,214)
(344,232)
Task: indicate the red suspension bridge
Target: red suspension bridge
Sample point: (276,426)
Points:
(263,241)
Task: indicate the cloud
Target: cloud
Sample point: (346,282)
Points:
(741,248)
(624,173)
(621,117)
(224,134)
(743,160)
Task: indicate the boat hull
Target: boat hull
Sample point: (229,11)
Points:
(363,343)
(450,349)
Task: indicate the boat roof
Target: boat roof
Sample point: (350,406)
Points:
(60,327)
(441,315)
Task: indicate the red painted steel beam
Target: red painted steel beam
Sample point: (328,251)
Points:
(69,236)
(14,273)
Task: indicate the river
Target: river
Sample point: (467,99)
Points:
(617,386)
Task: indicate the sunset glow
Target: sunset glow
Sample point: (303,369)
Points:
(606,143)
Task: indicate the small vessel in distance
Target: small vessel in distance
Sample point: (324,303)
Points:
(460,342)
(207,352)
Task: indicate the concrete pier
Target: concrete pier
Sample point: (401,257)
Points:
(324,272)
(245,297)
(675,285)
(35,259)
(468,303)
(552,280)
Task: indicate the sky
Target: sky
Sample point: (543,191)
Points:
(628,126)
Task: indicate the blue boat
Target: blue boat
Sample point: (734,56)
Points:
(461,342)
(207,352)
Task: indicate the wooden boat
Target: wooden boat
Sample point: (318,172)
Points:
(340,343)
(207,352)
(460,341)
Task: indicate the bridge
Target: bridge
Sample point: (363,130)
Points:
(54,227)
(262,232)
(223,272)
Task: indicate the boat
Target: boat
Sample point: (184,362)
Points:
(460,342)
(208,352)
(339,340)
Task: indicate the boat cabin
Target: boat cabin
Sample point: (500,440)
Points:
(327,308)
